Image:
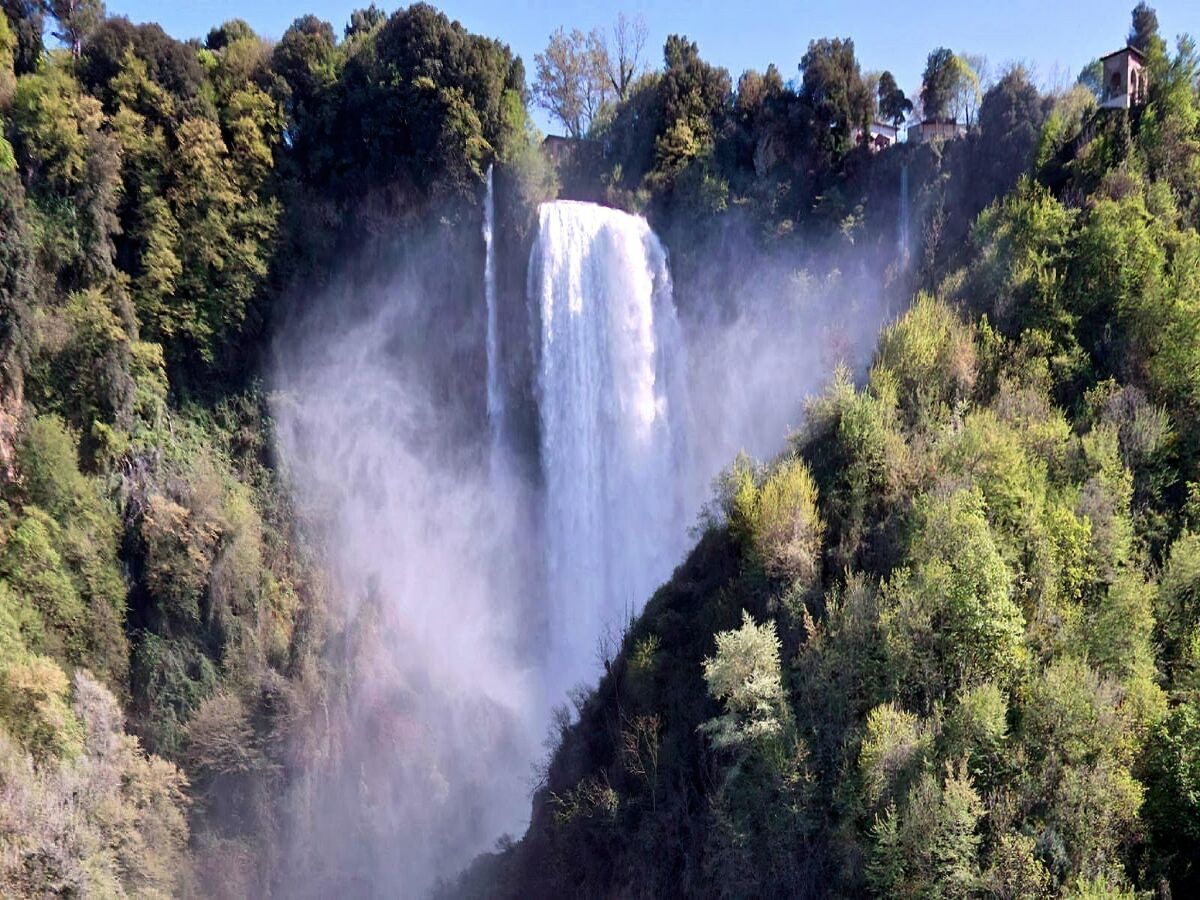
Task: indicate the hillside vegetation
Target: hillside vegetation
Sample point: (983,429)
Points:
(163,621)
(947,644)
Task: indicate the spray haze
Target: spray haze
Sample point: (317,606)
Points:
(429,758)
(476,586)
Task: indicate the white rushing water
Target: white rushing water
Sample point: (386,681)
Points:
(495,389)
(610,364)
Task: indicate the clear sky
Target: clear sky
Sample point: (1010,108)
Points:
(1054,39)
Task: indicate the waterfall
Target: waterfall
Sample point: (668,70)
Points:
(610,363)
(903,223)
(495,390)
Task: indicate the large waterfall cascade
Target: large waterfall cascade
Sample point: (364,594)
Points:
(610,388)
(484,590)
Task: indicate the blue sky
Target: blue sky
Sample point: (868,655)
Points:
(1052,38)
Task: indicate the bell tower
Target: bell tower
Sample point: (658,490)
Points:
(1125,79)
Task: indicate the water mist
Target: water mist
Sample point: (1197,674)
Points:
(434,720)
(475,591)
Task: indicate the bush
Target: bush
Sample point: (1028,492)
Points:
(929,357)
(83,366)
(931,847)
(34,569)
(949,620)
(895,749)
(1172,807)
(786,528)
(67,559)
(1178,611)
(179,552)
(977,731)
(34,709)
(105,821)
(744,675)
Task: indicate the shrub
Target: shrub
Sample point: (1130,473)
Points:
(744,675)
(104,821)
(34,569)
(34,709)
(977,730)
(787,528)
(179,553)
(1178,611)
(949,620)
(83,366)
(930,848)
(929,355)
(894,749)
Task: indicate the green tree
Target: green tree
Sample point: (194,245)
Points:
(363,21)
(896,747)
(17,283)
(25,21)
(76,19)
(1143,31)
(53,125)
(1173,793)
(950,621)
(894,107)
(744,675)
(783,524)
(931,847)
(225,242)
(8,80)
(964,104)
(938,83)
(927,357)
(229,33)
(835,93)
(1178,612)
(1091,77)
(1011,116)
(572,81)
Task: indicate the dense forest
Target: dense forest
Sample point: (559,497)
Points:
(946,644)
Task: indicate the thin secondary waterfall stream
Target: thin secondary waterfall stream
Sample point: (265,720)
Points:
(495,389)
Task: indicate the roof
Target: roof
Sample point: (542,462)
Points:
(1134,50)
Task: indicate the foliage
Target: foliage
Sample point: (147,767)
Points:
(744,675)
(946,644)
(572,79)
(104,820)
(781,523)
(949,621)
(938,83)
(833,88)
(893,106)
(990,665)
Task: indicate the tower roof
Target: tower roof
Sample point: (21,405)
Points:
(1127,49)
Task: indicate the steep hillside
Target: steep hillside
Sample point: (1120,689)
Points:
(945,644)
